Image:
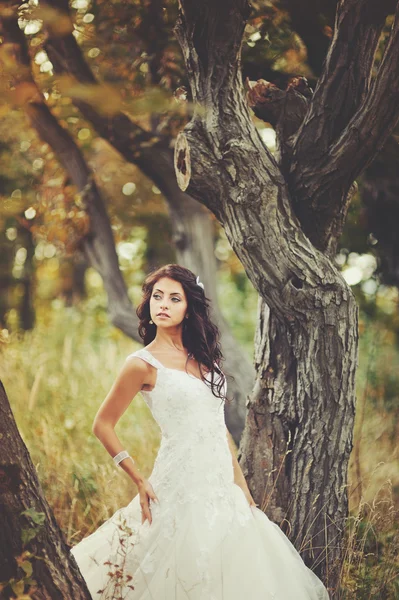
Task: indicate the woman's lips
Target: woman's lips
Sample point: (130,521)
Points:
(163,315)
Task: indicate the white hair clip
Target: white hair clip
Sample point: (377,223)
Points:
(198,282)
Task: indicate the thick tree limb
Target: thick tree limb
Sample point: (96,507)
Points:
(370,127)
(379,183)
(321,193)
(346,76)
(226,152)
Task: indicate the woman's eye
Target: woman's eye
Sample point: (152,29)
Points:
(158,296)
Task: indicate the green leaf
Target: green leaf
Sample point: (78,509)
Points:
(37,517)
(18,587)
(28,534)
(27,567)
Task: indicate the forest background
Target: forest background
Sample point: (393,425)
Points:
(60,349)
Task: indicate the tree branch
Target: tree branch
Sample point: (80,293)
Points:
(376,118)
(222,162)
(215,47)
(284,109)
(345,80)
(98,244)
(321,194)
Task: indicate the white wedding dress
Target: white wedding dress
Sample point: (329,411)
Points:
(205,541)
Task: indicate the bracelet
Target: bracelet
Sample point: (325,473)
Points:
(121,456)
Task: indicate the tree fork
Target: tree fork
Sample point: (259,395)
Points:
(332,147)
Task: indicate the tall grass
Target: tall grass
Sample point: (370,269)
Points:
(57,375)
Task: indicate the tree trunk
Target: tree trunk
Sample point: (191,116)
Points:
(301,413)
(32,546)
(299,430)
(307,379)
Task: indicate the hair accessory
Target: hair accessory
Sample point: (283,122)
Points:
(198,282)
(121,456)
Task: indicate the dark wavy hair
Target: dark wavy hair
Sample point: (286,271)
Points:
(200,336)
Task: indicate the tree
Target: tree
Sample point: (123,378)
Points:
(284,218)
(33,553)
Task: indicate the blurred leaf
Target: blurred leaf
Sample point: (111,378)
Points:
(102,96)
(18,587)
(56,21)
(27,567)
(37,517)
(12,207)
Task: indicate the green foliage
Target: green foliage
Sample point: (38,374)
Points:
(38,518)
(23,585)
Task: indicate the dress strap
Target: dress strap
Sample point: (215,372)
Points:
(147,356)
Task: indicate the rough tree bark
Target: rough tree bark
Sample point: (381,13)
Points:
(334,137)
(379,182)
(32,546)
(283,221)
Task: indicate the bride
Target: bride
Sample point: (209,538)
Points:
(193,531)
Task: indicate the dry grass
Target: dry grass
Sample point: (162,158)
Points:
(57,375)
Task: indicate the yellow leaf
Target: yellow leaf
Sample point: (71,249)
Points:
(103,97)
(57,22)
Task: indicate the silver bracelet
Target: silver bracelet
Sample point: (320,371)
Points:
(121,456)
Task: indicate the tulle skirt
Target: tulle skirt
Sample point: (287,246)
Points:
(213,548)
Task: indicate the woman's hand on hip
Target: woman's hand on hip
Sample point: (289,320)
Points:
(147,494)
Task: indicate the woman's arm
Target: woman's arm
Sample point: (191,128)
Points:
(239,478)
(133,375)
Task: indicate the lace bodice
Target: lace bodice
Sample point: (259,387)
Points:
(194,434)
(178,386)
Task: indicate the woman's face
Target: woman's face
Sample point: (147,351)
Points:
(168,297)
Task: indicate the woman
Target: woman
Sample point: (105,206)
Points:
(193,531)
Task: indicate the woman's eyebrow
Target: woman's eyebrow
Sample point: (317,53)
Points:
(171,293)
